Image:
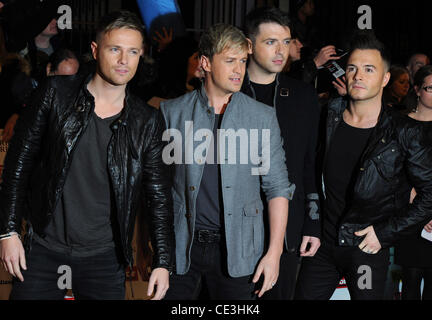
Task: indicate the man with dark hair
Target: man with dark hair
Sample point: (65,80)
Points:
(218,213)
(372,158)
(297,110)
(62,62)
(85,159)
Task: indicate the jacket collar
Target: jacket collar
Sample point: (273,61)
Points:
(203,98)
(86,100)
(379,133)
(247,86)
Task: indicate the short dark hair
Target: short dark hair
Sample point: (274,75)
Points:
(264,15)
(121,19)
(416,53)
(366,40)
(60,55)
(422,74)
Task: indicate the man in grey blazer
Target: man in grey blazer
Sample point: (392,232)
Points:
(224,147)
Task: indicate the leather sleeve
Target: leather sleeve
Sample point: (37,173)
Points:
(20,159)
(418,146)
(157,186)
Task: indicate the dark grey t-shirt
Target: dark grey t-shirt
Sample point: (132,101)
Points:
(209,200)
(84,222)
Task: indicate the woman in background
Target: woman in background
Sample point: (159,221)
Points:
(414,253)
(398,87)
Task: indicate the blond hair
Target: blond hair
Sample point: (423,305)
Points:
(219,37)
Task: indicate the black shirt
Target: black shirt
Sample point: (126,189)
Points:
(209,205)
(265,92)
(83,222)
(342,163)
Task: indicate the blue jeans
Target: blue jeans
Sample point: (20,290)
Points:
(100,277)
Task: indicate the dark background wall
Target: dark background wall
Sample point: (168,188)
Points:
(403,26)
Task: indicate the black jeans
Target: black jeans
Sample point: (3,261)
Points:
(99,277)
(285,285)
(209,264)
(365,274)
(411,283)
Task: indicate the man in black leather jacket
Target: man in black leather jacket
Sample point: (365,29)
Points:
(373,157)
(86,158)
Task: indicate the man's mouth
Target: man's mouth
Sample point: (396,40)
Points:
(122,71)
(236,80)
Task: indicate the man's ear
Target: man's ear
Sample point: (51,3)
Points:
(94,48)
(205,63)
(250,46)
(386,79)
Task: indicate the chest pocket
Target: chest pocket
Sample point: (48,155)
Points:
(387,160)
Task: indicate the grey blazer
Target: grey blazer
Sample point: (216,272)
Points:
(252,158)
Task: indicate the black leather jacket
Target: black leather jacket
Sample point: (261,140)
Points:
(40,154)
(398,157)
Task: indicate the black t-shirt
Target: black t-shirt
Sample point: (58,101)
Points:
(209,205)
(342,163)
(83,223)
(265,92)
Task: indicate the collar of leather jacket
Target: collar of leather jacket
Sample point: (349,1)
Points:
(85,98)
(381,131)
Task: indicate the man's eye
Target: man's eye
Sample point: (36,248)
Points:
(287,42)
(114,49)
(270,42)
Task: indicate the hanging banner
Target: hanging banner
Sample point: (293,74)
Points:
(159,14)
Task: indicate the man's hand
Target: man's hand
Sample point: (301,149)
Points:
(428,227)
(325,54)
(9,127)
(370,243)
(315,243)
(163,40)
(12,255)
(160,278)
(269,267)
(340,86)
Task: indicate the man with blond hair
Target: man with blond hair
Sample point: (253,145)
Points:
(218,212)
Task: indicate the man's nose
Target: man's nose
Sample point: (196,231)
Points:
(123,59)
